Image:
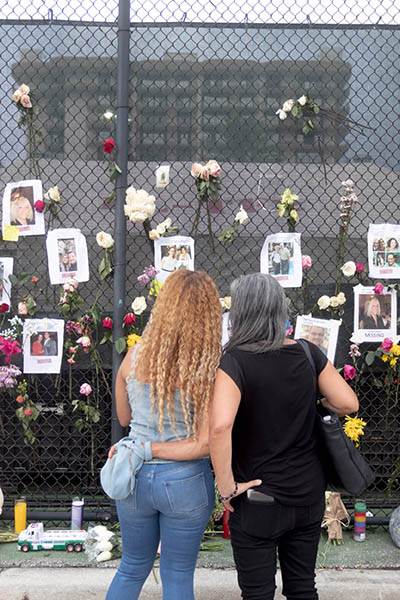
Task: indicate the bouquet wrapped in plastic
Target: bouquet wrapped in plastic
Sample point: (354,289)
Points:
(102,544)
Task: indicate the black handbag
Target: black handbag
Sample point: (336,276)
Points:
(346,471)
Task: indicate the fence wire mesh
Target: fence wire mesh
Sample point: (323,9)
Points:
(205,82)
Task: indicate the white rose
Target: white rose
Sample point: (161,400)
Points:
(139,305)
(288,105)
(53,194)
(324,302)
(139,205)
(341,298)
(24,89)
(104,240)
(242,216)
(281,114)
(334,302)
(103,556)
(349,268)
(302,100)
(101,532)
(226,302)
(26,101)
(161,228)
(104,546)
(153,234)
(17,96)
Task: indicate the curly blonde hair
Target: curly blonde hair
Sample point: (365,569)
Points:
(181,347)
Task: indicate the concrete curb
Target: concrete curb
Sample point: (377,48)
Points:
(210,584)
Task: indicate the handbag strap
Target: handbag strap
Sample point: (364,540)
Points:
(310,359)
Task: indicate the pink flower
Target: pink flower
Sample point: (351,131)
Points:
(354,350)
(306,261)
(196,170)
(85,389)
(205,174)
(9,348)
(26,101)
(84,341)
(348,183)
(70,361)
(28,412)
(386,344)
(214,168)
(349,372)
(39,206)
(378,289)
(22,308)
(107,323)
(289,331)
(359,267)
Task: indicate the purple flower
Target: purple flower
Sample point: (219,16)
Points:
(143,279)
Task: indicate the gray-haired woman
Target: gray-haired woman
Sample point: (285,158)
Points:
(262,436)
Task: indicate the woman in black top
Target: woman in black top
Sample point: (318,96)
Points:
(262,436)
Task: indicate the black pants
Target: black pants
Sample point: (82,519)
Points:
(258,532)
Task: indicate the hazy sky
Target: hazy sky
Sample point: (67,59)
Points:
(225,11)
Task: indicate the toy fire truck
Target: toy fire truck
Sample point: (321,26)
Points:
(34,537)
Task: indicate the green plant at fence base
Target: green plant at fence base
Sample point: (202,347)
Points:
(23,99)
(208,186)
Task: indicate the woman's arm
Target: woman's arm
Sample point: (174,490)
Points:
(223,411)
(187,449)
(338,394)
(121,393)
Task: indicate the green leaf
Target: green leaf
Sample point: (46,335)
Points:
(120,345)
(13,280)
(370,358)
(310,124)
(305,129)
(297,111)
(315,109)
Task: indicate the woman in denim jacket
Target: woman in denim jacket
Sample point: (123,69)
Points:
(163,391)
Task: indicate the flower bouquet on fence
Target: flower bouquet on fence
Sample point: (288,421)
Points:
(208,185)
(23,97)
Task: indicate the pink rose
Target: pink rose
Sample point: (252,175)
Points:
(359,267)
(24,89)
(386,344)
(17,96)
(354,350)
(22,308)
(349,372)
(213,168)
(348,183)
(85,389)
(26,101)
(378,289)
(306,261)
(205,174)
(196,170)
(39,206)
(70,361)
(84,341)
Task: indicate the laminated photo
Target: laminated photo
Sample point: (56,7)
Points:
(162,176)
(172,254)
(6,269)
(67,255)
(321,332)
(281,258)
(43,341)
(375,315)
(19,200)
(384,251)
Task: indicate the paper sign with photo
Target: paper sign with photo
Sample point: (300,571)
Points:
(19,200)
(321,332)
(172,254)
(67,255)
(281,258)
(43,341)
(6,269)
(162,176)
(384,251)
(375,315)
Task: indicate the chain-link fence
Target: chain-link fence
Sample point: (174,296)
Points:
(205,82)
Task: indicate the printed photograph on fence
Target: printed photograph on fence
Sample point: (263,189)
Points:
(19,207)
(321,332)
(172,254)
(384,251)
(67,255)
(43,341)
(6,269)
(375,315)
(281,258)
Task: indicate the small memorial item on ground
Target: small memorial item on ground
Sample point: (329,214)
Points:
(334,515)
(34,537)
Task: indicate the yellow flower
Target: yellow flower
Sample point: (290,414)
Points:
(132,339)
(385,357)
(281,209)
(288,198)
(155,288)
(395,349)
(294,215)
(393,362)
(353,428)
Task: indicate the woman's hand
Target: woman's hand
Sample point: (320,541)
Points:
(112,451)
(241,488)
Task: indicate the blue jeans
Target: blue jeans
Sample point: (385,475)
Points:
(172,502)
